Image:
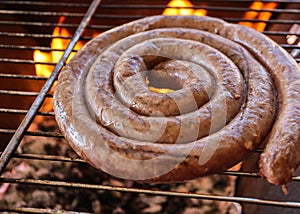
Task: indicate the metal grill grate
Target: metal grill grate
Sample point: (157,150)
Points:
(26,26)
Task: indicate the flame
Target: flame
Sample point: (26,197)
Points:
(161,90)
(177,7)
(58,45)
(158,90)
(265,16)
(182,7)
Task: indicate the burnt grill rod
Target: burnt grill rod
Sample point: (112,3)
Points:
(16,139)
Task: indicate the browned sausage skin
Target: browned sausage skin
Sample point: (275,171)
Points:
(206,138)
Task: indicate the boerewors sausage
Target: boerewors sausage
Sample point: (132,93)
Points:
(232,88)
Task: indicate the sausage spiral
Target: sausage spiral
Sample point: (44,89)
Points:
(233,87)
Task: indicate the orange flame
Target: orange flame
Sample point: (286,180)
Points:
(158,90)
(58,45)
(182,7)
(264,16)
(177,7)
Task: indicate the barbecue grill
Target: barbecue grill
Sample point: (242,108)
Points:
(27,118)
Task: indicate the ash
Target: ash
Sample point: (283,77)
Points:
(100,201)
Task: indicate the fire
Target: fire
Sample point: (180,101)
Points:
(161,90)
(158,90)
(177,7)
(182,7)
(254,14)
(59,45)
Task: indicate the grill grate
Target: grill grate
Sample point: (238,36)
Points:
(23,35)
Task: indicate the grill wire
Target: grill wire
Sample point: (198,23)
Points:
(106,16)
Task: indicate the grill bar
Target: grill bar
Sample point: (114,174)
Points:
(21,93)
(21,76)
(120,16)
(23,47)
(151,192)
(16,139)
(107,27)
(81,161)
(209,8)
(30,133)
(38,24)
(278,21)
(54,4)
(44,36)
(21,111)
(38,210)
(48,4)
(24,61)
(48,158)
(45,24)
(39,13)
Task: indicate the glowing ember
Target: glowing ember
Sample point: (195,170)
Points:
(263,16)
(182,7)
